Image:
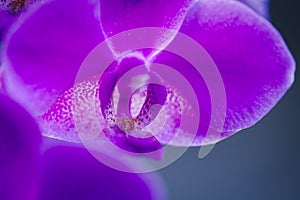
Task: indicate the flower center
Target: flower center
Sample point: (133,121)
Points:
(126,124)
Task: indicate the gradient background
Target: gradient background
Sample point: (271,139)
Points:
(262,162)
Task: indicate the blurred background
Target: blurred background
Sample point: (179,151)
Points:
(262,162)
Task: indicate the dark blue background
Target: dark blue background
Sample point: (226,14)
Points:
(262,162)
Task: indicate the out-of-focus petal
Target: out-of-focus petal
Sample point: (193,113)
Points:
(256,66)
(260,6)
(6,20)
(72,173)
(122,15)
(19,151)
(10,10)
(44,50)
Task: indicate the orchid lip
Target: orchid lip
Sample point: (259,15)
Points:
(121,121)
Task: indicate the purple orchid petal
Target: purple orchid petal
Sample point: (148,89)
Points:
(5,22)
(260,6)
(255,63)
(44,50)
(72,173)
(122,15)
(19,150)
(10,10)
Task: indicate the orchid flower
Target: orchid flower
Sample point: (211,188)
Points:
(44,49)
(61,172)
